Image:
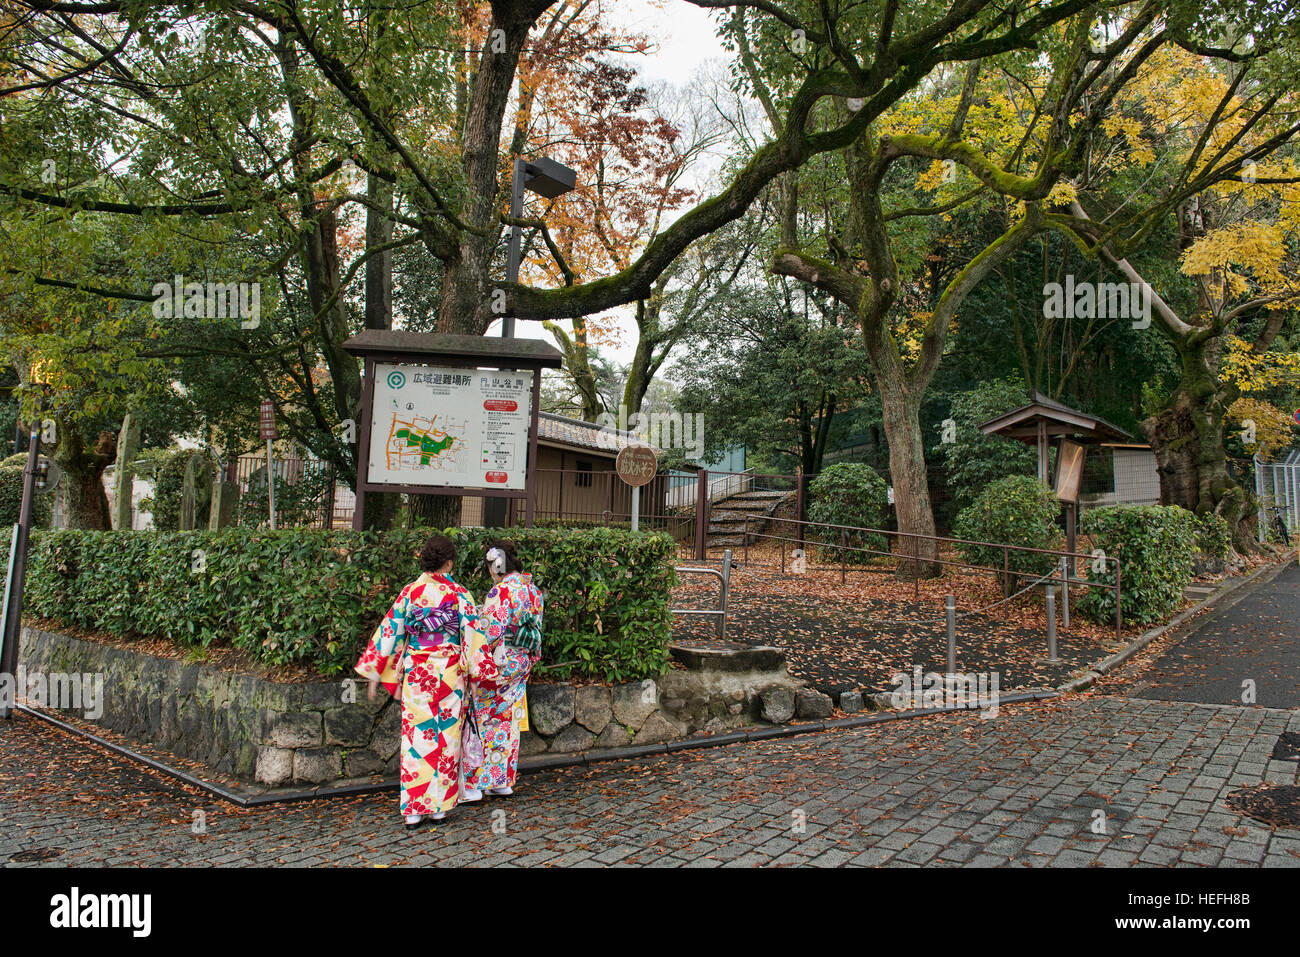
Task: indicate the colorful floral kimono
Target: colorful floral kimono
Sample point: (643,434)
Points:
(418,654)
(508,636)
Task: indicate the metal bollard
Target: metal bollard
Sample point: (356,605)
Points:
(950,607)
(722,599)
(1051,624)
(1065,592)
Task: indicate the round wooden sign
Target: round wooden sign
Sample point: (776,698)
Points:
(636,465)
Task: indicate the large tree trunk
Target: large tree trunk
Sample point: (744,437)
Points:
(319,262)
(640,373)
(466,303)
(1187,439)
(436,511)
(379,267)
(584,378)
(907,472)
(83,468)
(381,507)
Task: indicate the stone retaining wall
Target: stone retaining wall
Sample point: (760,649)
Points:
(250,728)
(279,734)
(564,717)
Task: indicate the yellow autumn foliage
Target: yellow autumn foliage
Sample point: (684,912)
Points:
(1254,372)
(1270,426)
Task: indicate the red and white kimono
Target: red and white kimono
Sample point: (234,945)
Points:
(418,653)
(508,644)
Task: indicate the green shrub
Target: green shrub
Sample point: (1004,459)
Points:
(973,460)
(1016,510)
(1213,537)
(314,596)
(853,494)
(1155,546)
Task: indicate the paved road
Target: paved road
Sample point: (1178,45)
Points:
(1256,639)
(1026,788)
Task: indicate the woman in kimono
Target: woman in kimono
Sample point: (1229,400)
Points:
(508,642)
(418,654)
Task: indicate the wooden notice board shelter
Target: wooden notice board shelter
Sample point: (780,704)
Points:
(1045,420)
(474,359)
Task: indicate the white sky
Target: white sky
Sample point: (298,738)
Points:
(685,34)
(685,39)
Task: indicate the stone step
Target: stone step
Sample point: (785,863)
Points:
(745,504)
(737,521)
(730,656)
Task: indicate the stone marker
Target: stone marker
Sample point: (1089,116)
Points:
(196,488)
(128,444)
(225,498)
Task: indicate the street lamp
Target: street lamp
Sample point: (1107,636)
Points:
(11,617)
(545,177)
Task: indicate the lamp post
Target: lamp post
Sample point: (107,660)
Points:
(545,177)
(13,600)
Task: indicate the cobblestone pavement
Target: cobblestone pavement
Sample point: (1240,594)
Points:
(1030,787)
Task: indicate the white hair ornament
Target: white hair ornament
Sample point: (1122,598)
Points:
(496,560)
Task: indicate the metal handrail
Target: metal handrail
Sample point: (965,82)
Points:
(1065,558)
(724,578)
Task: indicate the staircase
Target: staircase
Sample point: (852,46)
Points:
(727,516)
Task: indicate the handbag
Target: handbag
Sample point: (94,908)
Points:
(472,745)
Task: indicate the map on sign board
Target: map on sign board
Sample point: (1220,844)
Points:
(448,426)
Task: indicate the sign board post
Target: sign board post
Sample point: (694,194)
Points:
(449,415)
(269,433)
(636,465)
(1069,473)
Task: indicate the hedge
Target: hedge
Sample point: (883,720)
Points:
(1155,546)
(314,596)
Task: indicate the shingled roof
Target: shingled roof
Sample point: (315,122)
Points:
(1058,420)
(578,433)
